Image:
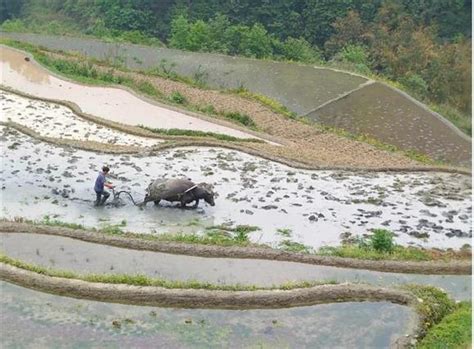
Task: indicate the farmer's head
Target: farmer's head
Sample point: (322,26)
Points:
(105,169)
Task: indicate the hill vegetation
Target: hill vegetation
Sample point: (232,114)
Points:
(423,46)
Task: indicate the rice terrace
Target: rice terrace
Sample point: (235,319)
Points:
(165,188)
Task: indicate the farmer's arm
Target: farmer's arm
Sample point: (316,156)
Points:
(109,185)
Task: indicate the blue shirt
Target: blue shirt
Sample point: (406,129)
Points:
(99,183)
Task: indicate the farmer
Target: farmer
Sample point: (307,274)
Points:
(100,182)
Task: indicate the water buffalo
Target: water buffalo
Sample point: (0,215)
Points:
(181,190)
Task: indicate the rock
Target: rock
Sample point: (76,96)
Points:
(313,218)
(419,235)
(269,207)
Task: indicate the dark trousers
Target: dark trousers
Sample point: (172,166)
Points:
(101,198)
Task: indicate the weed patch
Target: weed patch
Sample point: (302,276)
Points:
(193,133)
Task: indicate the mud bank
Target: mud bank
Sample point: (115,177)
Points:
(33,318)
(115,104)
(425,209)
(90,258)
(199,298)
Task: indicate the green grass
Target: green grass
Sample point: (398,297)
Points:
(274,105)
(239,118)
(434,304)
(143,280)
(194,133)
(353,251)
(292,246)
(452,332)
(460,120)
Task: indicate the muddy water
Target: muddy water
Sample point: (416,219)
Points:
(109,103)
(300,87)
(33,319)
(83,257)
(384,114)
(56,121)
(426,209)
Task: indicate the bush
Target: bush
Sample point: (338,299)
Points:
(299,50)
(353,54)
(177,97)
(240,118)
(382,240)
(415,83)
(14,25)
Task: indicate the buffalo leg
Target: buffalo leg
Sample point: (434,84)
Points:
(156,202)
(196,203)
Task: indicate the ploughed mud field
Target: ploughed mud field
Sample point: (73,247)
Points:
(310,207)
(33,319)
(86,258)
(379,111)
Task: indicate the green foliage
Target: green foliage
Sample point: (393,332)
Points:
(147,87)
(57,223)
(293,246)
(362,252)
(415,84)
(382,240)
(433,305)
(243,119)
(177,97)
(454,330)
(355,54)
(300,50)
(193,133)
(14,25)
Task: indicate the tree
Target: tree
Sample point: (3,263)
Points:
(179,32)
(255,42)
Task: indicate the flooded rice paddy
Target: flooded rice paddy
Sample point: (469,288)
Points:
(312,207)
(85,258)
(57,121)
(377,110)
(32,319)
(113,104)
(301,88)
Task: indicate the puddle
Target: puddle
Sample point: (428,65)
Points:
(300,87)
(56,121)
(426,209)
(34,319)
(109,103)
(384,114)
(85,258)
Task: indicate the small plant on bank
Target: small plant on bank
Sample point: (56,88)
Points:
(243,119)
(382,241)
(177,97)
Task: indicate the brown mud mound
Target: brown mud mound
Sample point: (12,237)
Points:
(394,118)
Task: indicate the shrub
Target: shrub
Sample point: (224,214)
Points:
(382,240)
(177,97)
(299,50)
(353,54)
(240,118)
(415,84)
